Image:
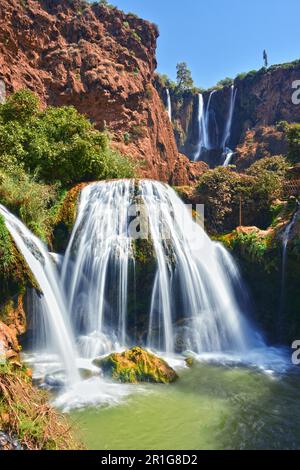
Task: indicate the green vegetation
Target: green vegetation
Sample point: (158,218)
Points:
(225,82)
(26,415)
(44,152)
(184,77)
(293,135)
(227,194)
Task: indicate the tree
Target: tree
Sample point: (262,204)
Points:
(184,77)
(57,144)
(265,57)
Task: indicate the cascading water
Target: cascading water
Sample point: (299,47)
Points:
(195,280)
(196,287)
(202,138)
(96,260)
(52,300)
(169,104)
(228,154)
(207,141)
(285,240)
(228,125)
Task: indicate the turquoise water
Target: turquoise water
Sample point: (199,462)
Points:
(210,407)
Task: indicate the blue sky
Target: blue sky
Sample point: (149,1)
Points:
(220,38)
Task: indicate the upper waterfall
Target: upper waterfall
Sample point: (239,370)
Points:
(169,104)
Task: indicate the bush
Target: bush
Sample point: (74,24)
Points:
(225,82)
(277,165)
(29,200)
(222,191)
(293,135)
(58,144)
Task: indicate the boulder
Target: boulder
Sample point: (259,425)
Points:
(136,365)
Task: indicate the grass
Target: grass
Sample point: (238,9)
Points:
(25,413)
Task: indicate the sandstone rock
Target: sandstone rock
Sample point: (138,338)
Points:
(102,61)
(136,365)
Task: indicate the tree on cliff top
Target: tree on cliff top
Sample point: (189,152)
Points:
(265,57)
(184,77)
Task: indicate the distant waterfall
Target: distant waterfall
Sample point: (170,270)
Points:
(52,302)
(207,142)
(228,154)
(169,104)
(228,125)
(202,137)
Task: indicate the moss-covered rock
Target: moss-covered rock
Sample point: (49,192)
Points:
(136,365)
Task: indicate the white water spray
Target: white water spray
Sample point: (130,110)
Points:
(53,302)
(228,125)
(169,104)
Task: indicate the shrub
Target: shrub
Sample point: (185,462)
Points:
(29,200)
(225,82)
(293,135)
(222,191)
(58,144)
(277,165)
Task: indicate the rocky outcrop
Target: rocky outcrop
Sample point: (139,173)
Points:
(136,365)
(100,60)
(261,142)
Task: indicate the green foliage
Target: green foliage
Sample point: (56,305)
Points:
(250,245)
(277,165)
(184,77)
(225,82)
(29,200)
(293,135)
(222,191)
(21,106)
(7,258)
(57,144)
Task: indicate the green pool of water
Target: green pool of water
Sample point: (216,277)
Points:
(210,407)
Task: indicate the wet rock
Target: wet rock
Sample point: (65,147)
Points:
(136,365)
(9,443)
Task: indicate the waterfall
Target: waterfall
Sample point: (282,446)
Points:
(196,279)
(285,240)
(228,125)
(207,140)
(228,154)
(52,301)
(169,104)
(202,138)
(97,259)
(195,290)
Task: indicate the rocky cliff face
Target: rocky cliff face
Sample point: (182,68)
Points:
(263,98)
(102,62)
(260,142)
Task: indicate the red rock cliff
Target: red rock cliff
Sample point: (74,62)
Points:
(101,61)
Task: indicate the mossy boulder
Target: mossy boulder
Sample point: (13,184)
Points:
(136,365)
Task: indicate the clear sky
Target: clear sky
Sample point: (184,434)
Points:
(220,38)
